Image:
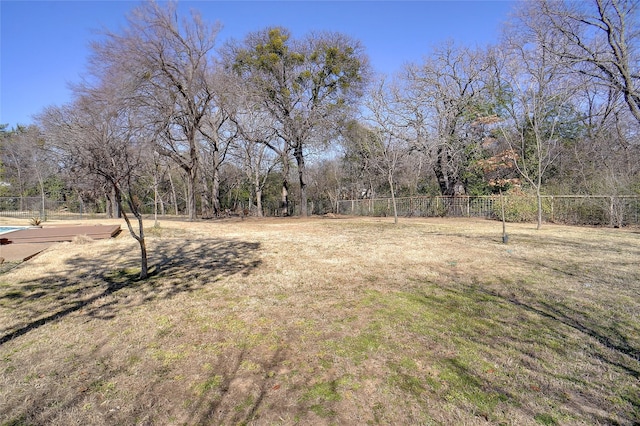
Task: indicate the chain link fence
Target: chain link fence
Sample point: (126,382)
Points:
(597,210)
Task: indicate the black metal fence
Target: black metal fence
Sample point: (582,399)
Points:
(569,209)
(597,210)
(36,207)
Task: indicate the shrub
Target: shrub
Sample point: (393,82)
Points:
(520,206)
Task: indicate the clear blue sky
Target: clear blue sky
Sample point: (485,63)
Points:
(44,44)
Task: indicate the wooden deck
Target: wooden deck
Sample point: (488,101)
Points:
(26,243)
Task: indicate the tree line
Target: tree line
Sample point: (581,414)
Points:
(168,117)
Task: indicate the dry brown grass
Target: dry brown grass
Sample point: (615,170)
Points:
(327,321)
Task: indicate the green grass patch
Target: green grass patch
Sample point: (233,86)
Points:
(545,419)
(212,383)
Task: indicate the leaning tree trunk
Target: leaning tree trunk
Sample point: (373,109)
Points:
(393,198)
(144,268)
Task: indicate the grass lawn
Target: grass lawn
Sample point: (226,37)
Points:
(326,321)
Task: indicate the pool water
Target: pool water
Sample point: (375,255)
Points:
(5,229)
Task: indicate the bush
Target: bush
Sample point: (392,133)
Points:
(381,210)
(521,207)
(586,213)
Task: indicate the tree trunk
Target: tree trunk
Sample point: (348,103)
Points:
(505,238)
(298,154)
(116,206)
(257,189)
(538,185)
(205,207)
(215,186)
(259,203)
(440,170)
(174,196)
(393,198)
(144,268)
(284,205)
(539,202)
(155,198)
(20,183)
(191,167)
(191,193)
(108,210)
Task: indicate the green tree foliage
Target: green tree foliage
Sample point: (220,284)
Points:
(306,85)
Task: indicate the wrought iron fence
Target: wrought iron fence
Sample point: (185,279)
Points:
(598,210)
(31,207)
(569,209)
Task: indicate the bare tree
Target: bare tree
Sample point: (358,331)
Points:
(171,61)
(537,112)
(256,126)
(257,162)
(97,137)
(597,38)
(220,133)
(327,184)
(443,97)
(380,140)
(26,164)
(604,158)
(16,159)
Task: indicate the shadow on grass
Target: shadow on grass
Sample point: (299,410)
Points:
(237,398)
(177,266)
(607,343)
(610,337)
(230,394)
(558,356)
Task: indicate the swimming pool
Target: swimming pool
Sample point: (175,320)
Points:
(5,229)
